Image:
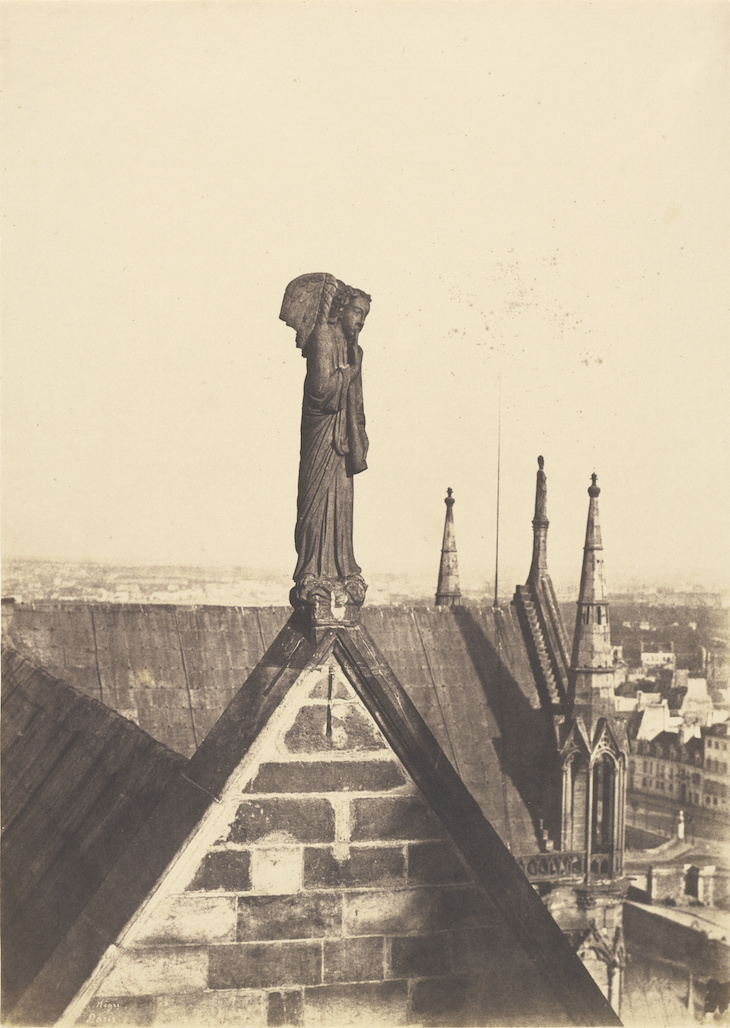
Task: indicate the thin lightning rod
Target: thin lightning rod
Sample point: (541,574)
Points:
(499,465)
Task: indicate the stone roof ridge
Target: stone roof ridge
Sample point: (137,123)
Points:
(153,606)
(136,606)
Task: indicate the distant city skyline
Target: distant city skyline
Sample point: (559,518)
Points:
(535,196)
(36,579)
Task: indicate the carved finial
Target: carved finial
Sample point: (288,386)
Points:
(541,462)
(593,489)
(449,501)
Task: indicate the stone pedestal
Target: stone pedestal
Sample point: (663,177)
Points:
(325,603)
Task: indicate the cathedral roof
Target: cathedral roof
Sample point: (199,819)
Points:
(78,782)
(160,798)
(174,670)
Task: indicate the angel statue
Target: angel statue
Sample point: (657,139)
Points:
(328,317)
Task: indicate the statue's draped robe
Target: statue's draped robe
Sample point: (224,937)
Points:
(333,448)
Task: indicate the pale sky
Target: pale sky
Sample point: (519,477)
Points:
(537,190)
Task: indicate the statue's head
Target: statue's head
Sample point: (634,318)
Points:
(350,307)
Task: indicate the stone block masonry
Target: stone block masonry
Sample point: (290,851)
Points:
(329,896)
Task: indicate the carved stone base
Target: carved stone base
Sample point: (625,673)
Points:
(329,602)
(602,893)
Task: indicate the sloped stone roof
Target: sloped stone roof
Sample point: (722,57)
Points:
(78,782)
(190,791)
(175,669)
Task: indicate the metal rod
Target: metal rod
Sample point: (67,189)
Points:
(499,466)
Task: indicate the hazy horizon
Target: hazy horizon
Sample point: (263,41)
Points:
(404,581)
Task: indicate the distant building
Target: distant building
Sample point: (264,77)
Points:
(656,717)
(697,703)
(691,769)
(716,767)
(660,659)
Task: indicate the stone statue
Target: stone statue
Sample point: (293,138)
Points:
(541,492)
(328,317)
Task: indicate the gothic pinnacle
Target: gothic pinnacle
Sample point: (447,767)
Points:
(592,663)
(448,593)
(540,525)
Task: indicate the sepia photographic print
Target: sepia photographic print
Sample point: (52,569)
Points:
(365,566)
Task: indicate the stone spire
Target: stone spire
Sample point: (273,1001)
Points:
(540,526)
(592,670)
(448,593)
(539,612)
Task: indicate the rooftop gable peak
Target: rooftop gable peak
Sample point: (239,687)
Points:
(577,739)
(605,739)
(328,723)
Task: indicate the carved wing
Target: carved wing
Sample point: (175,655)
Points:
(307,300)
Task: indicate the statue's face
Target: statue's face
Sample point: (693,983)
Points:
(353,316)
